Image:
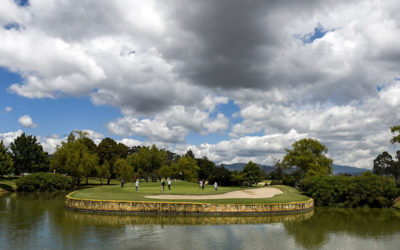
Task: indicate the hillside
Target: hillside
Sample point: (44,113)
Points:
(337,169)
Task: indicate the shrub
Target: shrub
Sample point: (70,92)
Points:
(345,191)
(43,182)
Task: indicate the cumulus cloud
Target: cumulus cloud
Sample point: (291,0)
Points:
(261,149)
(9,137)
(168,67)
(26,122)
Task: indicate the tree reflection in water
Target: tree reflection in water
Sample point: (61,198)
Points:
(360,222)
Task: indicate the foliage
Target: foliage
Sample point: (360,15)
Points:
(186,168)
(308,155)
(385,165)
(221,175)
(6,162)
(396,138)
(28,155)
(109,150)
(346,191)
(75,159)
(123,169)
(237,178)
(103,171)
(206,168)
(148,161)
(252,173)
(43,182)
(165,171)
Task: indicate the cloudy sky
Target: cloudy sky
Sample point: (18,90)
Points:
(232,80)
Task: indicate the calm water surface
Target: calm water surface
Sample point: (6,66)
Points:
(40,221)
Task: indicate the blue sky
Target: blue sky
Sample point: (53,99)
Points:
(232,89)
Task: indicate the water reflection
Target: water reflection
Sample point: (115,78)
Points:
(362,223)
(40,221)
(179,219)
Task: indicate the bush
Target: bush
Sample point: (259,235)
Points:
(43,182)
(345,191)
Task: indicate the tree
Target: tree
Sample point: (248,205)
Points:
(28,155)
(123,169)
(108,150)
(221,175)
(75,159)
(252,173)
(150,160)
(309,155)
(190,153)
(103,171)
(6,162)
(165,171)
(206,166)
(186,169)
(383,163)
(396,138)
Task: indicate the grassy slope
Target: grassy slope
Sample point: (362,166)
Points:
(128,193)
(8,184)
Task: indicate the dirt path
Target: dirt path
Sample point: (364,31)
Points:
(265,192)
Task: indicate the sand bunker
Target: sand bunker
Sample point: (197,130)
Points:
(266,192)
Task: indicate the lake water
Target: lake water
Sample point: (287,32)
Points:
(40,221)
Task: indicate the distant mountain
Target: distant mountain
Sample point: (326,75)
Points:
(337,169)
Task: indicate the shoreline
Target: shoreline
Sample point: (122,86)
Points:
(186,207)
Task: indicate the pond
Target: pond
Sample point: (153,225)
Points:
(40,221)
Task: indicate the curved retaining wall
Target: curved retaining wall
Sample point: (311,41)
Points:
(184,207)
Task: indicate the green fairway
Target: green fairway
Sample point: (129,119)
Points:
(128,193)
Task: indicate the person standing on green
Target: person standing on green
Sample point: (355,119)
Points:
(137,185)
(122,182)
(169,184)
(162,184)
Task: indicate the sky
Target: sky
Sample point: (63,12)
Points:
(231,80)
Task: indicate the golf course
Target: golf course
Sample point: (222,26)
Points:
(189,197)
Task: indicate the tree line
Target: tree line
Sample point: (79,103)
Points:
(80,158)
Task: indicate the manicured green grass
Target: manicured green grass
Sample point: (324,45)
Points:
(129,193)
(8,184)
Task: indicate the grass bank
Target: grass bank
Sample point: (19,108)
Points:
(8,184)
(128,193)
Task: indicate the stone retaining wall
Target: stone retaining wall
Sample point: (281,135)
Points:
(184,207)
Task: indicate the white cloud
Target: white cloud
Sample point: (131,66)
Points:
(8,109)
(26,122)
(9,137)
(261,149)
(169,67)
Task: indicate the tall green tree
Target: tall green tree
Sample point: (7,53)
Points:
(309,155)
(110,151)
(74,158)
(28,155)
(123,169)
(103,171)
(186,168)
(148,160)
(252,173)
(207,168)
(383,163)
(6,162)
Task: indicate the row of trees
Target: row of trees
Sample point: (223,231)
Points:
(25,154)
(80,158)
